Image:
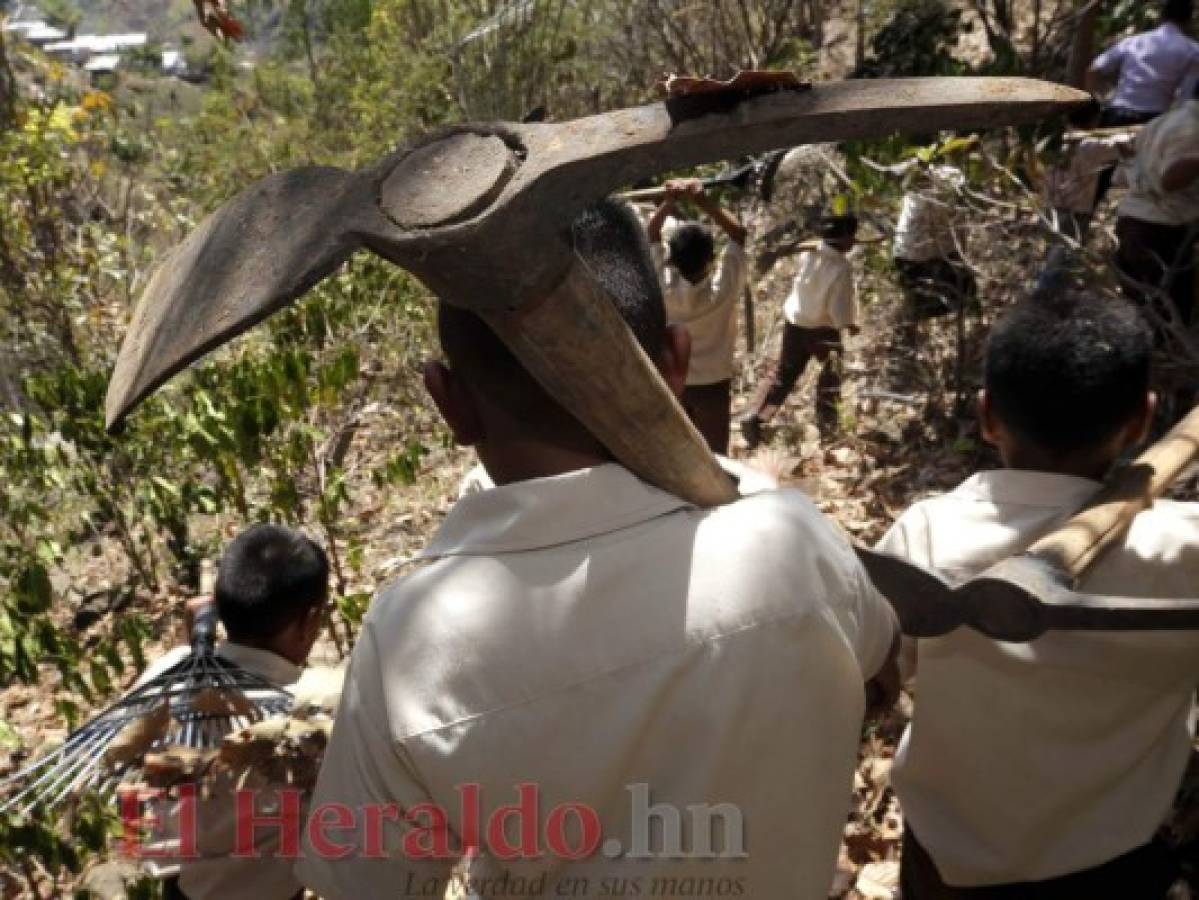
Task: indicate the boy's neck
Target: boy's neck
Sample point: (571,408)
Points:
(526,460)
(278,648)
(1029,459)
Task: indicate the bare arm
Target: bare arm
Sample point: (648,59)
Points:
(1105,70)
(726,220)
(1097,81)
(653,230)
(693,190)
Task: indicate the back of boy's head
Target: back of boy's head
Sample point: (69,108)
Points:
(691,250)
(1065,372)
(610,243)
(269,578)
(1178,11)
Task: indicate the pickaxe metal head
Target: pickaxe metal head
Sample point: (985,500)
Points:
(1016,600)
(1022,597)
(481,214)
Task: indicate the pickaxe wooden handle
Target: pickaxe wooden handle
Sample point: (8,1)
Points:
(481,214)
(1022,597)
(1074,547)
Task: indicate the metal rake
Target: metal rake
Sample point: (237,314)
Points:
(193,704)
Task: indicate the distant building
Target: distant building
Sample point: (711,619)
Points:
(35,31)
(84,46)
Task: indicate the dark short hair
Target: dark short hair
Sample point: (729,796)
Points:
(269,577)
(1066,371)
(691,249)
(1181,11)
(610,242)
(834,227)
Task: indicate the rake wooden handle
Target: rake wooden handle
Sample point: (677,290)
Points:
(1131,489)
(575,343)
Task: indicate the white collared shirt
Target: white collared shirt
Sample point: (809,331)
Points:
(588,633)
(709,310)
(1024,762)
(1163,142)
(1154,68)
(263,663)
(823,293)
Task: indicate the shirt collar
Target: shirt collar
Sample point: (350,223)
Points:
(1050,490)
(263,663)
(545,512)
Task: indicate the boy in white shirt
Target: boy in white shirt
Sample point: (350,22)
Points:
(1072,188)
(1043,770)
(935,279)
(822,303)
(272,589)
(701,292)
(647,675)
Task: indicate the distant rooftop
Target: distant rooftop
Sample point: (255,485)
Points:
(98,43)
(35,31)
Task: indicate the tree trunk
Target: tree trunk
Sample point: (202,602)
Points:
(8,89)
(860,47)
(1082,48)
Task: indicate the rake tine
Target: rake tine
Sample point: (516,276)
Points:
(80,765)
(32,768)
(77,765)
(49,780)
(80,779)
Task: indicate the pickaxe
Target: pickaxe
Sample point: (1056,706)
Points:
(481,214)
(1022,597)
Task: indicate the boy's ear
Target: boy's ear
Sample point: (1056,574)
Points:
(987,426)
(455,403)
(1138,429)
(674,358)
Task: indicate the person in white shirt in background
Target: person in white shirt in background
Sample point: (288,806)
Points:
(272,588)
(1042,771)
(702,292)
(1151,70)
(606,644)
(823,303)
(927,246)
(1159,214)
(1157,228)
(1072,186)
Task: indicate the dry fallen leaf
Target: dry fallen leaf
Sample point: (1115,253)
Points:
(138,736)
(214,701)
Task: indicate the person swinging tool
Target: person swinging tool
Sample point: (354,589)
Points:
(701,292)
